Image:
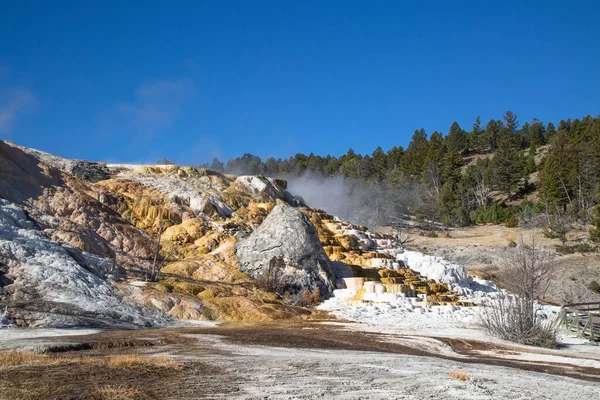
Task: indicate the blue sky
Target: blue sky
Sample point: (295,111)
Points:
(131,81)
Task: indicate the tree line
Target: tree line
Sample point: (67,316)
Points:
(498,172)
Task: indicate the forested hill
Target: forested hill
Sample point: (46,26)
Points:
(502,171)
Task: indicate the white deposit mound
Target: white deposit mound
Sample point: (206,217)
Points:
(55,287)
(436,268)
(379,307)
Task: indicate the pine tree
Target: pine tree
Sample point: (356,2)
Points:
(550,132)
(456,140)
(554,186)
(511,122)
(217,165)
(450,198)
(476,137)
(537,133)
(492,133)
(379,166)
(412,162)
(508,170)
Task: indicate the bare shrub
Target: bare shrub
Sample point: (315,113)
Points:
(402,236)
(512,318)
(529,269)
(311,298)
(305,298)
(528,272)
(558,225)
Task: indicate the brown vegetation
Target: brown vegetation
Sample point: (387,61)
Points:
(458,375)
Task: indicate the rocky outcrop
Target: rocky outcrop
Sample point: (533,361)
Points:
(45,283)
(270,187)
(85,170)
(75,247)
(285,251)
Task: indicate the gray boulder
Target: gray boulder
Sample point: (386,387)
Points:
(284,254)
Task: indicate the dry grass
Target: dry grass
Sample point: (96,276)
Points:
(139,361)
(460,376)
(13,359)
(10,360)
(109,392)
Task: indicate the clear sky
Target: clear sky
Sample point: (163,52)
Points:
(126,81)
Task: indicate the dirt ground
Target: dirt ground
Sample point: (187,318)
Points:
(285,361)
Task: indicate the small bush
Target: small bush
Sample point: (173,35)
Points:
(512,243)
(495,213)
(585,248)
(432,235)
(565,249)
(580,248)
(594,286)
(512,222)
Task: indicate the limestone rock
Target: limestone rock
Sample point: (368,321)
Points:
(269,187)
(44,285)
(286,247)
(86,170)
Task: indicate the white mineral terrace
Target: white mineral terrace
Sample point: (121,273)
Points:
(397,305)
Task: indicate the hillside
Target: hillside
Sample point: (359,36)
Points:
(256,293)
(500,172)
(79,239)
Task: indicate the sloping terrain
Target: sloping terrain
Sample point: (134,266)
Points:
(77,236)
(79,239)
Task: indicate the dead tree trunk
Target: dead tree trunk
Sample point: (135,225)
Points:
(154,271)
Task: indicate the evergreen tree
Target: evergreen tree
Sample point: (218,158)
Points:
(379,167)
(511,122)
(554,185)
(476,137)
(457,141)
(272,166)
(394,157)
(412,162)
(508,170)
(550,132)
(217,165)
(537,133)
(492,133)
(451,196)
